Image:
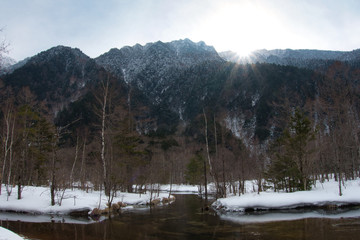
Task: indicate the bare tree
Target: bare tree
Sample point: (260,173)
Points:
(109,114)
(340,131)
(207,155)
(82,167)
(8,143)
(102,112)
(77,147)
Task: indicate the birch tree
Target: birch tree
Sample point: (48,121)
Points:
(108,116)
(102,112)
(8,143)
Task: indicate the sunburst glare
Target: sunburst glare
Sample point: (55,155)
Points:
(239,27)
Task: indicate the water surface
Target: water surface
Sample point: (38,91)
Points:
(184,219)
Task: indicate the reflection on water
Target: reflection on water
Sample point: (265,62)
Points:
(289,215)
(185,220)
(46,218)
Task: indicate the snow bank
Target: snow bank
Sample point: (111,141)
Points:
(323,194)
(6,234)
(37,200)
(179,188)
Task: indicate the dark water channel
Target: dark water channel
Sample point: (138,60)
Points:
(185,220)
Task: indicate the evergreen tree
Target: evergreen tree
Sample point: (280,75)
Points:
(290,169)
(194,170)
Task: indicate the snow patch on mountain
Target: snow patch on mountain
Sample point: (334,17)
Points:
(255,99)
(241,127)
(165,56)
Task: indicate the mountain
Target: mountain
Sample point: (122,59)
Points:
(152,67)
(57,76)
(305,58)
(143,114)
(131,61)
(181,79)
(167,87)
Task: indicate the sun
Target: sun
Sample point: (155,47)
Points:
(238,26)
(243,50)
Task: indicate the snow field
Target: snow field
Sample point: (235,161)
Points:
(326,193)
(6,234)
(36,200)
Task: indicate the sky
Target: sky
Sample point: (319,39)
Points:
(96,26)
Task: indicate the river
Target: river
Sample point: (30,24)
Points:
(184,219)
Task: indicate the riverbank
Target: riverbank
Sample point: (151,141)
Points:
(324,195)
(6,234)
(184,220)
(36,200)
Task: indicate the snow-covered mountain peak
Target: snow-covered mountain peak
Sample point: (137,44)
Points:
(163,56)
(153,67)
(187,45)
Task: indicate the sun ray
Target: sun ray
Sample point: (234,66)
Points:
(241,27)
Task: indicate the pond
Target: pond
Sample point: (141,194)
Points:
(184,219)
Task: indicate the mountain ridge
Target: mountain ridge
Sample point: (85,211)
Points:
(308,58)
(153,66)
(178,80)
(276,56)
(58,75)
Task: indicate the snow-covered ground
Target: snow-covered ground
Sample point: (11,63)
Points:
(326,193)
(6,234)
(37,200)
(180,189)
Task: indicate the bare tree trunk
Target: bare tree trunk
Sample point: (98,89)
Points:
(103,120)
(129,105)
(52,187)
(82,177)
(220,188)
(53,170)
(223,177)
(207,144)
(205,183)
(11,155)
(223,164)
(339,174)
(74,163)
(22,166)
(171,176)
(337,162)
(208,157)
(8,141)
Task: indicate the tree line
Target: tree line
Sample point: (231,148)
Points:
(103,148)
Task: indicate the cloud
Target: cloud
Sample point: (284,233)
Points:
(95,26)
